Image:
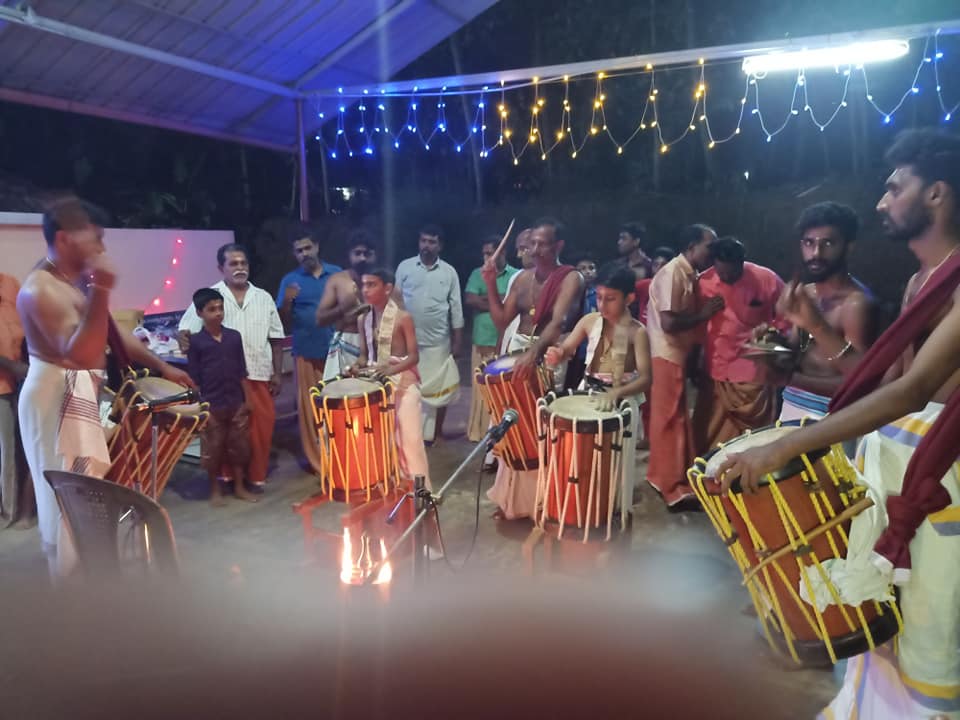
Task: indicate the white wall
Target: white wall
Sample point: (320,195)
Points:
(144,260)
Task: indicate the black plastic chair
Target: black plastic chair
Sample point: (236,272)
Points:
(93,509)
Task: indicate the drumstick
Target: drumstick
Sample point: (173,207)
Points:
(496,253)
(854,509)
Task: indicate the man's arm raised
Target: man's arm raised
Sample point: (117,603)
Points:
(502,312)
(936,361)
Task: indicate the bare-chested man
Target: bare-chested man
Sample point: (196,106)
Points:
(838,303)
(548,298)
(388,345)
(64,309)
(911,418)
(341,305)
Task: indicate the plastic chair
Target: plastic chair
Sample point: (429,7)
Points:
(93,509)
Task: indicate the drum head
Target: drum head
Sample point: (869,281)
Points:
(349,387)
(759,438)
(501,365)
(581,407)
(153,388)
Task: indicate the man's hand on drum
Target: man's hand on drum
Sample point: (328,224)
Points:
(554,356)
(180,377)
(523,369)
(608,399)
(750,466)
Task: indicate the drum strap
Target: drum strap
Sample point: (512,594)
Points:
(621,339)
(384,336)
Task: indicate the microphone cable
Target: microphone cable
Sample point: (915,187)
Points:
(476,525)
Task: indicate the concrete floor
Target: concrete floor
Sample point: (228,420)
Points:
(674,562)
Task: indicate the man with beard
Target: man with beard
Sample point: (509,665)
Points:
(840,303)
(430,289)
(341,305)
(903,397)
(297,300)
(250,311)
(630,246)
(548,299)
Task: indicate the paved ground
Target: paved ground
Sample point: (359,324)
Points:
(673,562)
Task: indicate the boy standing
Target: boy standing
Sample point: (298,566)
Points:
(388,345)
(216,363)
(618,357)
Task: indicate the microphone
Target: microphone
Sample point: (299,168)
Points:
(187,396)
(509,419)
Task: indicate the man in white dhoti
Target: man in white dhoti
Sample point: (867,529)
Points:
(904,398)
(430,289)
(617,362)
(548,299)
(63,307)
(388,345)
(341,305)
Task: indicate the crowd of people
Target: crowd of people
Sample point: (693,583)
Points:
(669,315)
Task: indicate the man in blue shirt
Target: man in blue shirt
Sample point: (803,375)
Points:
(297,299)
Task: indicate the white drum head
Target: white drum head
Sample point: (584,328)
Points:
(758,438)
(580,407)
(350,387)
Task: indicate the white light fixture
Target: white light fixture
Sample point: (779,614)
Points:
(856,54)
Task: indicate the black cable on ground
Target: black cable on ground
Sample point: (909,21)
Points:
(476,526)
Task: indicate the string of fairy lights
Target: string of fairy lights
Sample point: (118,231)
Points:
(518,128)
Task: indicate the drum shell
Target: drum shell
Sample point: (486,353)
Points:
(357,440)
(519,447)
(579,457)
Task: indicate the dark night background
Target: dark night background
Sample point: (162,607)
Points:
(154,178)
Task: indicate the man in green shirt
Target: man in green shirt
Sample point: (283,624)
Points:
(485,335)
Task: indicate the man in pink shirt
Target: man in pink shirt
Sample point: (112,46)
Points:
(675,322)
(735,392)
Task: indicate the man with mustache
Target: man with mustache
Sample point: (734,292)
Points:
(902,398)
(341,305)
(839,301)
(250,311)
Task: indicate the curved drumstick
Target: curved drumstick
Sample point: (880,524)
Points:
(496,253)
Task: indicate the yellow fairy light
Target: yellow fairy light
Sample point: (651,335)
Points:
(643,126)
(559,134)
(596,104)
(602,97)
(693,127)
(737,131)
(593,131)
(663,149)
(536,79)
(540,102)
(619,151)
(712,145)
(507,133)
(653,98)
(566,78)
(573,154)
(649,66)
(702,118)
(535,109)
(601,75)
(501,107)
(655,91)
(533,138)
(700,61)
(702,88)
(516,161)
(503,113)
(653,124)
(543,156)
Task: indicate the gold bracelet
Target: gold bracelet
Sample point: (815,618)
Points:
(843,351)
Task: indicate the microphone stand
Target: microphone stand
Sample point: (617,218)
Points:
(423,501)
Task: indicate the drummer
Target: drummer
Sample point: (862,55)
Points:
(388,346)
(618,352)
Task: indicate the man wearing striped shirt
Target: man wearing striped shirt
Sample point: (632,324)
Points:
(251,311)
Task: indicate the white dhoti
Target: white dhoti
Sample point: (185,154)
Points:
(439,384)
(411,453)
(922,679)
(60,426)
(515,491)
(344,351)
(798,404)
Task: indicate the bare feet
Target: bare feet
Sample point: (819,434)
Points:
(498,514)
(241,493)
(216,499)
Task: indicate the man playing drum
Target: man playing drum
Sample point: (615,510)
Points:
(388,346)
(548,299)
(904,397)
(618,355)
